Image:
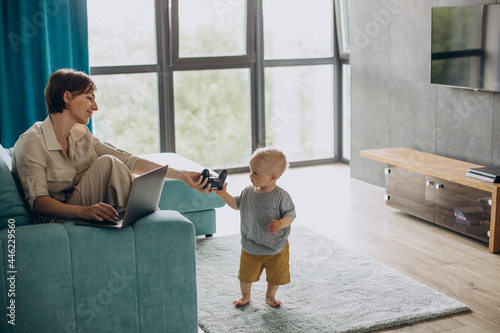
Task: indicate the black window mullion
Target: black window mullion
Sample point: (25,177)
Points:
(131,69)
(174,33)
(212,63)
(337,93)
(165,80)
(342,57)
(258,83)
(299,62)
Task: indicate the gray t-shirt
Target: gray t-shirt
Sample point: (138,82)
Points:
(257,210)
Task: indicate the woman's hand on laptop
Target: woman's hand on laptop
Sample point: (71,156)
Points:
(100,212)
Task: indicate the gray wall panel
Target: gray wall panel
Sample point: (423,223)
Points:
(393,102)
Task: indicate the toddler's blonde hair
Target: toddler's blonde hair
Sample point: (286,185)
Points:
(274,158)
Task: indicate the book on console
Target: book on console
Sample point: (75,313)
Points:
(490,174)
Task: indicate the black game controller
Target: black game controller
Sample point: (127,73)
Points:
(215,183)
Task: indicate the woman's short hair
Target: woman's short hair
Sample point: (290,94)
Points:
(63,80)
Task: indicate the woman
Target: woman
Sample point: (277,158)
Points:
(66,172)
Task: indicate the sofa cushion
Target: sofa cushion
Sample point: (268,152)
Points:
(74,278)
(12,205)
(44,300)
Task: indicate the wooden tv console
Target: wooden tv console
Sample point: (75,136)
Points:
(436,188)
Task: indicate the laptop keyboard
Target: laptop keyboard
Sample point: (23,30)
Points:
(121,216)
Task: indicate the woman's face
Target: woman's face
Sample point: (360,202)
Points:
(82,106)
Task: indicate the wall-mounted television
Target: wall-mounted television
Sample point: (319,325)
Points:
(466,47)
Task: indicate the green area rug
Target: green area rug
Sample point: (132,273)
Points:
(333,289)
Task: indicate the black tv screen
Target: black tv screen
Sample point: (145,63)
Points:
(466,47)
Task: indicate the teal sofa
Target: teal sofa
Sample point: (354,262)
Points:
(69,278)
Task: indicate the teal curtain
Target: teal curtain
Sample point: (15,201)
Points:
(37,37)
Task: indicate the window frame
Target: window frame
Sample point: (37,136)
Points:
(168,61)
(342,28)
(217,62)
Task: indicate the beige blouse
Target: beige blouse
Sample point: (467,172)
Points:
(42,167)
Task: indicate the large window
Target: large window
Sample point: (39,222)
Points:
(128,116)
(215,79)
(124,34)
(299,111)
(295,29)
(212,115)
(121,32)
(211,28)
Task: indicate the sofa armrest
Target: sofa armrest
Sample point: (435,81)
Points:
(176,195)
(75,278)
(166,272)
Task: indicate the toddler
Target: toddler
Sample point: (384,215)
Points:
(266,211)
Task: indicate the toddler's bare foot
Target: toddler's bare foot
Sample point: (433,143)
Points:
(242,301)
(273,302)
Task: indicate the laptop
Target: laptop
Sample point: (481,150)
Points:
(143,200)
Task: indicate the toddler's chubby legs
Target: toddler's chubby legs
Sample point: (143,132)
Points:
(251,267)
(246,290)
(270,295)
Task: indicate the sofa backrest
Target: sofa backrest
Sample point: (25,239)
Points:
(12,206)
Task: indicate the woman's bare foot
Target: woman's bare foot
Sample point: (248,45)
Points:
(273,302)
(242,301)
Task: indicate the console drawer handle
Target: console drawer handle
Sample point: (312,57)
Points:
(439,186)
(429,183)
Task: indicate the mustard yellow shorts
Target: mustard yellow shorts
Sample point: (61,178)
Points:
(276,265)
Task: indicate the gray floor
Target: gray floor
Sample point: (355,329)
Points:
(353,213)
